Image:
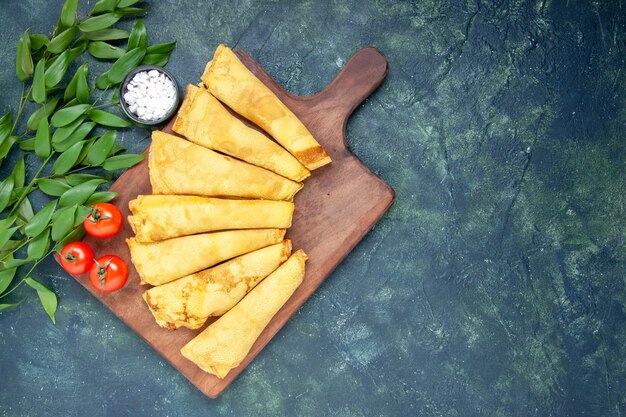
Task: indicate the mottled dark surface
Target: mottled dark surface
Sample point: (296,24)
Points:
(495,284)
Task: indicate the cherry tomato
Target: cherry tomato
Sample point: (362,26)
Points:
(105,220)
(76,257)
(109,273)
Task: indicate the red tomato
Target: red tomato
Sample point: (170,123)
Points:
(105,220)
(109,273)
(76,257)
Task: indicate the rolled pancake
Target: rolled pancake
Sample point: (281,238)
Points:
(224,344)
(178,166)
(189,301)
(160,217)
(232,83)
(161,262)
(204,120)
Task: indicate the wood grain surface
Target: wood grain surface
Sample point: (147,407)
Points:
(338,205)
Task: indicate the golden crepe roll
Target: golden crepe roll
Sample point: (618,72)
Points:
(178,166)
(189,301)
(225,343)
(161,262)
(232,83)
(160,217)
(204,120)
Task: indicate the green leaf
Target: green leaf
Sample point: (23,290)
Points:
(53,187)
(40,221)
(70,90)
(99,22)
(83,153)
(15,263)
(19,173)
(43,112)
(38,41)
(10,245)
(80,46)
(7,306)
(104,50)
(42,140)
(161,48)
(67,159)
(64,132)
(82,88)
(6,119)
(27,145)
(61,41)
(56,70)
(160,60)
(39,83)
(125,64)
(48,298)
(103,6)
(6,124)
(129,11)
(122,161)
(5,147)
(108,119)
(6,223)
(102,82)
(107,35)
(15,194)
(62,222)
(68,13)
(138,36)
(67,115)
(76,235)
(126,3)
(81,214)
(115,98)
(71,103)
(38,247)
(101,149)
(6,141)
(80,193)
(6,277)
(77,179)
(76,136)
(25,209)
(23,60)
(5,235)
(6,187)
(101,197)
(53,90)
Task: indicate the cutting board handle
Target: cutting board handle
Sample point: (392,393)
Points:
(363,73)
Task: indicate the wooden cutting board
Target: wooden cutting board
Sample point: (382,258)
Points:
(338,205)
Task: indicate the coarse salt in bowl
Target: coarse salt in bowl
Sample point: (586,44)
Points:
(149,95)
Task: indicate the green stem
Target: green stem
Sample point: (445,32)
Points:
(78,169)
(109,104)
(30,184)
(100,96)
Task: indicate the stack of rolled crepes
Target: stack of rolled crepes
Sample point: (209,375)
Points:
(210,237)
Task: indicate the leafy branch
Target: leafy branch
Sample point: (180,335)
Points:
(69,129)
